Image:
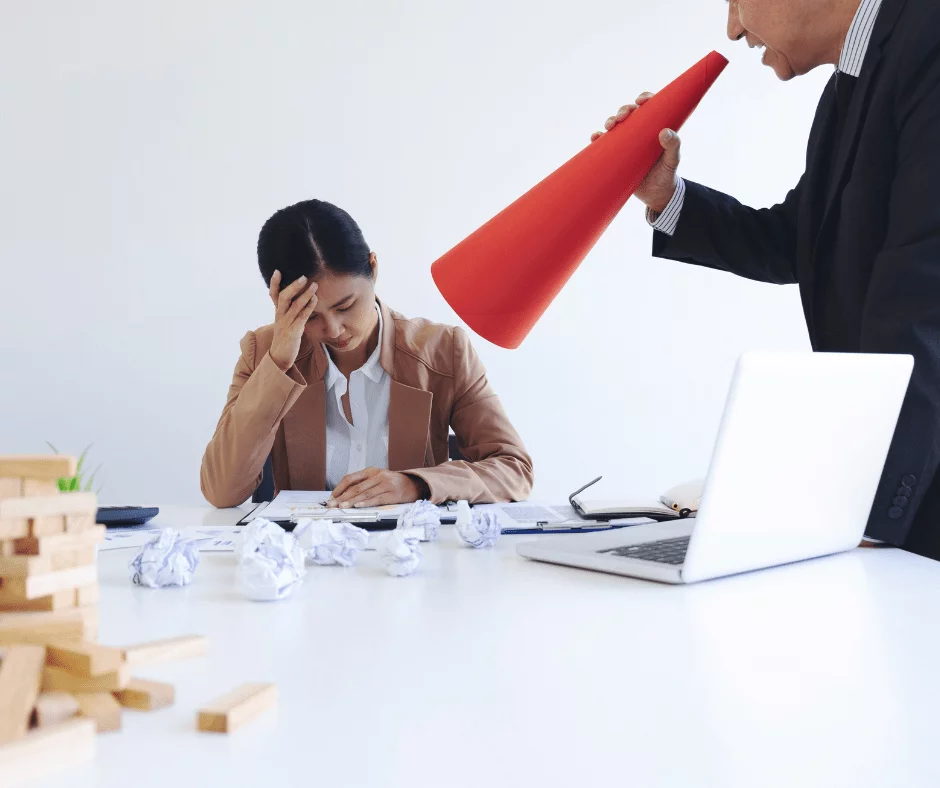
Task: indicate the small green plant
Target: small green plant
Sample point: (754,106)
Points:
(78,483)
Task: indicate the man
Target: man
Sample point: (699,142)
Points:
(860,232)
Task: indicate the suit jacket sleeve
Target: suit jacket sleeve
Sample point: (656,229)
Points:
(902,312)
(498,468)
(258,398)
(716,231)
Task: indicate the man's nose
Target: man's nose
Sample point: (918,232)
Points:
(736,30)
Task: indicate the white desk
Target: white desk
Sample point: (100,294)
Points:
(488,670)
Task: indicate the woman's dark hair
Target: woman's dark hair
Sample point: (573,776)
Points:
(304,238)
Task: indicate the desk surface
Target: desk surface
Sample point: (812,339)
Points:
(489,670)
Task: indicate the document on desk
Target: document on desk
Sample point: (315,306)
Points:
(294,504)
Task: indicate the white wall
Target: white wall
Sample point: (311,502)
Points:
(142,145)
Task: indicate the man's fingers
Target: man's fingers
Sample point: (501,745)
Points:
(644,97)
(624,111)
(306,312)
(596,136)
(671,144)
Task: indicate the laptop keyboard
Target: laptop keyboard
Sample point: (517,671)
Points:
(665,551)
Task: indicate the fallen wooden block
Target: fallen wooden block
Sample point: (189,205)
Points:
(13,589)
(67,541)
(26,565)
(44,467)
(49,505)
(100,707)
(232,710)
(84,659)
(11,487)
(53,708)
(45,751)
(59,680)
(42,628)
(146,695)
(20,675)
(158,651)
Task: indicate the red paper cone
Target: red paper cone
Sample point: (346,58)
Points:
(502,278)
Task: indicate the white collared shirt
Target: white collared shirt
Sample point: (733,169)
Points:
(364,443)
(850,62)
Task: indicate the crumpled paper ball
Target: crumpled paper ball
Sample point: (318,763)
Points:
(477,529)
(270,561)
(401,551)
(325,542)
(424,516)
(166,560)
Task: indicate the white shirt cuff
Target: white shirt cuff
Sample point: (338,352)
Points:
(667,221)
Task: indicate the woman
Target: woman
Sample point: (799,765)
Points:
(347,395)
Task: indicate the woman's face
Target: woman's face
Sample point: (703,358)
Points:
(345,316)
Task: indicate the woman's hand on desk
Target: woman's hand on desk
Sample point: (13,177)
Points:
(293,307)
(374,487)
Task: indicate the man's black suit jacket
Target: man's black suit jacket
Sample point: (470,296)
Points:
(860,234)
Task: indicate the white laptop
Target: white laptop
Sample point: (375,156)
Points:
(799,455)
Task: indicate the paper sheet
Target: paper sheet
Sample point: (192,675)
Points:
(294,504)
(221,538)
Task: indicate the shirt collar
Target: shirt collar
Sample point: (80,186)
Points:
(858,38)
(371,369)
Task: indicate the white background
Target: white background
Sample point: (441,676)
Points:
(143,144)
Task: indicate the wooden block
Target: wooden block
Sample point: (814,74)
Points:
(47,750)
(7,548)
(146,695)
(11,487)
(27,565)
(50,505)
(37,487)
(48,525)
(46,467)
(20,675)
(90,619)
(84,659)
(87,595)
(79,523)
(53,708)
(35,586)
(165,650)
(57,601)
(14,527)
(67,541)
(42,628)
(235,708)
(102,707)
(59,680)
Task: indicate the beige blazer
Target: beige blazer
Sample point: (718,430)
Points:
(437,383)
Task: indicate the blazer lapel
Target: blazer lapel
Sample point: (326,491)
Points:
(409,422)
(305,423)
(409,408)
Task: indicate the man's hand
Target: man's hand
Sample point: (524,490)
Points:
(293,306)
(660,182)
(374,487)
